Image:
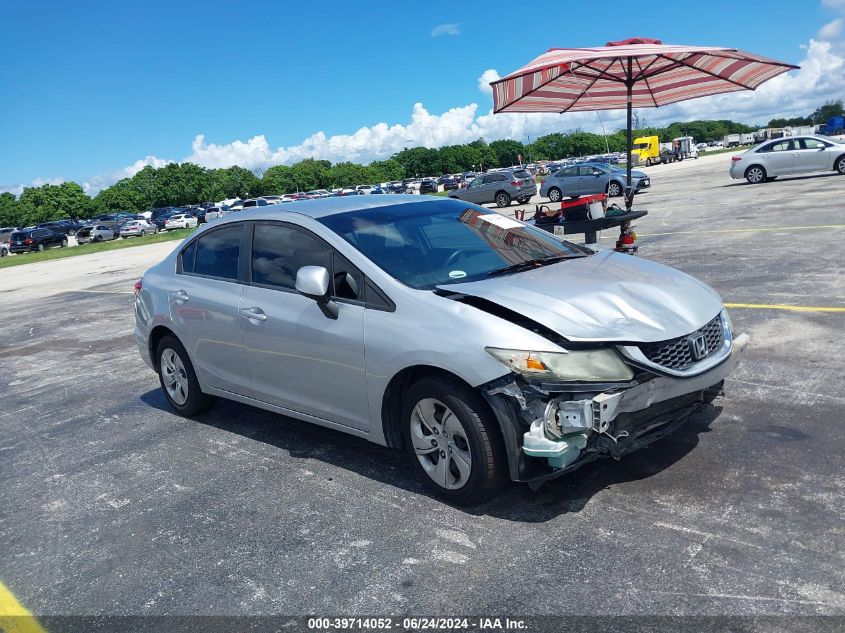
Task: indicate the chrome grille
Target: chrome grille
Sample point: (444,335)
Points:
(677,353)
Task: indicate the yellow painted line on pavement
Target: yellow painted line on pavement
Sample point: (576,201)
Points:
(14,618)
(771,306)
(755,230)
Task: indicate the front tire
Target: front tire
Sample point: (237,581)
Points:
(755,174)
(555,194)
(178,379)
(502,199)
(614,190)
(840,165)
(453,441)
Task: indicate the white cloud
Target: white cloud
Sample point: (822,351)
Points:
(91,187)
(38,182)
(484,81)
(821,77)
(446,29)
(831,30)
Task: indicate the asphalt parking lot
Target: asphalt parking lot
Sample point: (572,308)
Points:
(111,504)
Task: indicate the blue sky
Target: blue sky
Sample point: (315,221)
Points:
(92,87)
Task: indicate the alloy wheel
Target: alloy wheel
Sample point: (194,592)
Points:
(554,195)
(755,175)
(175,377)
(614,189)
(440,443)
(840,165)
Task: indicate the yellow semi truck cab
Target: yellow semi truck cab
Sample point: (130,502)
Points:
(646,150)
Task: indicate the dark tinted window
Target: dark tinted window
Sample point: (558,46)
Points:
(188,257)
(521,174)
(218,252)
(278,252)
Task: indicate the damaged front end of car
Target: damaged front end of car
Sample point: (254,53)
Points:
(626,397)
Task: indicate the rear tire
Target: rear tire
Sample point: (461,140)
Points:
(64,243)
(555,194)
(453,441)
(503,199)
(41,248)
(755,174)
(178,379)
(839,165)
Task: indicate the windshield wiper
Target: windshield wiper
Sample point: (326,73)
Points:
(530,264)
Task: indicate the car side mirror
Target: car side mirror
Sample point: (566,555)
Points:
(313,282)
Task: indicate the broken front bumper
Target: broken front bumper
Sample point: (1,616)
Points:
(572,428)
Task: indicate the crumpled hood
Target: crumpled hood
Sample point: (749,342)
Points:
(605,297)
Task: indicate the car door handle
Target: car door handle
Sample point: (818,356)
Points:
(179,296)
(254,314)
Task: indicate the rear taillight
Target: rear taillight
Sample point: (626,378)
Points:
(138,286)
(517,183)
(28,241)
(736,158)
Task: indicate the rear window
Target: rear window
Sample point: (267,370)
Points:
(19,235)
(521,174)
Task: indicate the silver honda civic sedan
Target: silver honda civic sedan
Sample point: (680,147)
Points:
(484,348)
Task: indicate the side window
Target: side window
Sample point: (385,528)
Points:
(569,172)
(218,252)
(782,146)
(811,143)
(488,179)
(188,256)
(278,252)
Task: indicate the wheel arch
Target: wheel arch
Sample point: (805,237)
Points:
(392,399)
(158,333)
(760,165)
(836,160)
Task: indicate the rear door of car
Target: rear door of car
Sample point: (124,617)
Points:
(777,157)
(569,181)
(204,298)
(300,357)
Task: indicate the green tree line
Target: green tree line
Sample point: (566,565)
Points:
(178,184)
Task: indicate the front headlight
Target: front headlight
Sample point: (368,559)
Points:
(576,365)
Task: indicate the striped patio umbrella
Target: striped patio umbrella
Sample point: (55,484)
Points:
(634,73)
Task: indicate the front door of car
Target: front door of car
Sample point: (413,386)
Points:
(204,297)
(300,356)
(475,191)
(592,180)
(811,154)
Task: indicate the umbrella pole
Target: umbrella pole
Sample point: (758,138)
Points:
(629,194)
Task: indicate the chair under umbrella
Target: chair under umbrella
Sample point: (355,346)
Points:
(634,73)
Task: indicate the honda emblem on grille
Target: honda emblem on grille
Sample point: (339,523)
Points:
(698,346)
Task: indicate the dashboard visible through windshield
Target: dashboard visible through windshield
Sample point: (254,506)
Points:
(424,245)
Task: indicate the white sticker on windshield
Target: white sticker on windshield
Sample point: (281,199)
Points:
(500,220)
(457,274)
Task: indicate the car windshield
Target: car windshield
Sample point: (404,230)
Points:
(424,245)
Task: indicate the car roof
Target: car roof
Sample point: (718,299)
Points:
(324,207)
